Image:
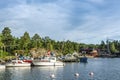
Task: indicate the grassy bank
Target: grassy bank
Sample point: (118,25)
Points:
(6,58)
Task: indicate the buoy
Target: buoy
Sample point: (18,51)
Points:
(91,73)
(76,74)
(52,76)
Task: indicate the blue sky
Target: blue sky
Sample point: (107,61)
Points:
(86,21)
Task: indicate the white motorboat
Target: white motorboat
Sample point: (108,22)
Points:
(18,63)
(2,66)
(47,61)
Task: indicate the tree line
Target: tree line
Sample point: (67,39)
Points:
(9,44)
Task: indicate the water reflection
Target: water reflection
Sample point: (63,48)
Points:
(45,72)
(17,73)
(103,69)
(2,71)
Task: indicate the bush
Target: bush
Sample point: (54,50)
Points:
(3,54)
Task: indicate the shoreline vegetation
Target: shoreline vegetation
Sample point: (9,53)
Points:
(37,46)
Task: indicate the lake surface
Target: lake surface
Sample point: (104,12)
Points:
(103,68)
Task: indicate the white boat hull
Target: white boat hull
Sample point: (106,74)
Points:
(18,65)
(2,66)
(39,63)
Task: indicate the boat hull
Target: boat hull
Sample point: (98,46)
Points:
(39,63)
(18,65)
(2,66)
(83,59)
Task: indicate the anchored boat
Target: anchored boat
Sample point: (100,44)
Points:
(83,59)
(2,66)
(18,63)
(47,61)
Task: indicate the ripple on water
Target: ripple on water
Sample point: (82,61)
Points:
(104,69)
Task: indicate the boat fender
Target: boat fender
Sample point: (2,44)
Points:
(52,76)
(76,74)
(91,73)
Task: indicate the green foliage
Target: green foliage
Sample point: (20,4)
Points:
(25,43)
(112,48)
(1,43)
(102,45)
(7,40)
(3,54)
(7,37)
(36,41)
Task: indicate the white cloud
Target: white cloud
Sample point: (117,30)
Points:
(45,19)
(69,20)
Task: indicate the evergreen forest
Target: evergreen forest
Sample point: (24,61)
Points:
(9,44)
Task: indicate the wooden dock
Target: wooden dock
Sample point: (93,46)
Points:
(70,60)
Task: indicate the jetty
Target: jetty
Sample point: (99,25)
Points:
(71,60)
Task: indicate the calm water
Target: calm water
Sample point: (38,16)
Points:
(103,68)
